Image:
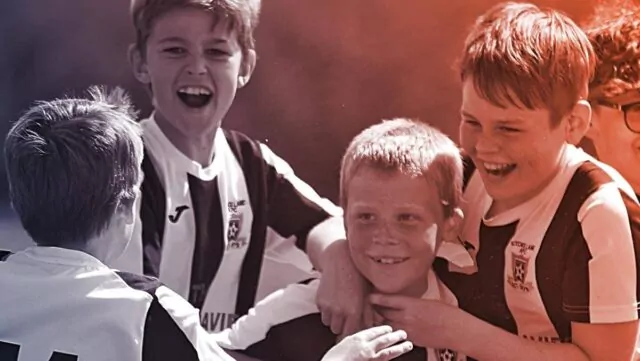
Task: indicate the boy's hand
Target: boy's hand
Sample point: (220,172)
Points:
(375,344)
(428,323)
(342,291)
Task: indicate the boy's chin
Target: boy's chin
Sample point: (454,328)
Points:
(389,289)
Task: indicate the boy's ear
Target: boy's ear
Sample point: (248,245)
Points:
(247,67)
(451,226)
(578,122)
(138,64)
(125,209)
(594,126)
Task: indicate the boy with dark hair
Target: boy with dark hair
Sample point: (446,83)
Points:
(223,219)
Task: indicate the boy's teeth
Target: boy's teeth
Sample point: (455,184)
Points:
(194,91)
(385,260)
(496,166)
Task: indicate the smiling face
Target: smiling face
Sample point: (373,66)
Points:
(394,226)
(194,66)
(517,152)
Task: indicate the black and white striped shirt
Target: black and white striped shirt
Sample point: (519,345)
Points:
(224,235)
(65,305)
(570,254)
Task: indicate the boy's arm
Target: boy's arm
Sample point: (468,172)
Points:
(600,296)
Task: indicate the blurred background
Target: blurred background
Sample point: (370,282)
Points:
(326,70)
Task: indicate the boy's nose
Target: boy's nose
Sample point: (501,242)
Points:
(486,144)
(384,236)
(197,66)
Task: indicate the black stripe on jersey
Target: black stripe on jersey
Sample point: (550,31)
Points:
(468,168)
(482,293)
(247,153)
(4,255)
(209,246)
(163,339)
(564,244)
(152,215)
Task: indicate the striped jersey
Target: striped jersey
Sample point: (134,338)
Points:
(570,254)
(65,305)
(287,326)
(227,234)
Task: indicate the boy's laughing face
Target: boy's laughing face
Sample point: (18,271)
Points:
(394,227)
(194,65)
(517,151)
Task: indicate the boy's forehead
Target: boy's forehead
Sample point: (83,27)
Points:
(192,23)
(478,107)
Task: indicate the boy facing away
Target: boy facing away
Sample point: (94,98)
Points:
(223,219)
(400,186)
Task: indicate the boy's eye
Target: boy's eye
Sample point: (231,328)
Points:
(217,52)
(408,218)
(176,50)
(471,122)
(365,217)
(508,129)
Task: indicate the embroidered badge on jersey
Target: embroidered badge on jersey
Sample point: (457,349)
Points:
(520,265)
(448,355)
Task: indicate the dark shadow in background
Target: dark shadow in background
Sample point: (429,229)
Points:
(326,69)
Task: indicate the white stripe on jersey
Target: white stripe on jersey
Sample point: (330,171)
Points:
(612,270)
(189,321)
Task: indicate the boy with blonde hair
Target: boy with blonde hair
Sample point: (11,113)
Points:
(400,187)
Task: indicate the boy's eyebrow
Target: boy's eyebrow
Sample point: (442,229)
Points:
(466,114)
(177,39)
(500,121)
(172,39)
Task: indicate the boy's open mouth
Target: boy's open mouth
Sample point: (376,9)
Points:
(498,169)
(194,97)
(389,260)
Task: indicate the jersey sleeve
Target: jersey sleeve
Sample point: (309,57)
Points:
(601,279)
(294,207)
(173,331)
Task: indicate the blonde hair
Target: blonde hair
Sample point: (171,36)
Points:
(410,147)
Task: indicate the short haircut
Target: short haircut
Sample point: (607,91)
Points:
(614,32)
(71,162)
(242,15)
(409,147)
(533,58)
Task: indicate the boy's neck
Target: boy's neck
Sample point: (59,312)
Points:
(199,149)
(416,290)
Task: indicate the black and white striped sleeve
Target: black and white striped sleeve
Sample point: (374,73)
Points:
(172,328)
(294,206)
(602,279)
